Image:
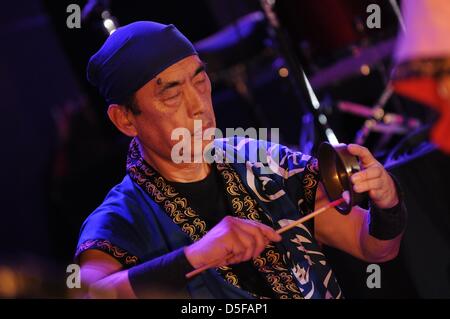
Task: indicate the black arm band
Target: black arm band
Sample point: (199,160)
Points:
(162,277)
(386,224)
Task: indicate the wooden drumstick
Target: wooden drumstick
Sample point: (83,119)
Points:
(310,216)
(302,220)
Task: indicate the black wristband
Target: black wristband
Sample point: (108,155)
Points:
(386,224)
(162,277)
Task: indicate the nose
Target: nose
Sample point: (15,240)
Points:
(195,103)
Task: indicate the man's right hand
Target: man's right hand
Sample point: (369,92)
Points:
(243,239)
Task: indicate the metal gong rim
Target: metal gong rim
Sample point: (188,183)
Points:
(336,166)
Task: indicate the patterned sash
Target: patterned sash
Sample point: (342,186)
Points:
(272,264)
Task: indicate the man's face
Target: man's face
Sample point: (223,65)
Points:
(173,99)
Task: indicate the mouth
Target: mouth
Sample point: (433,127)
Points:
(199,132)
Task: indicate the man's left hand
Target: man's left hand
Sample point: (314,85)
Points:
(373,178)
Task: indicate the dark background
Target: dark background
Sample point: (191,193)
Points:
(61,155)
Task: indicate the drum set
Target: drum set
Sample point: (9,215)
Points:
(323,48)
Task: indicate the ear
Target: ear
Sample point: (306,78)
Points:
(121,118)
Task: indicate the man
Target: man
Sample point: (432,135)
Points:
(166,219)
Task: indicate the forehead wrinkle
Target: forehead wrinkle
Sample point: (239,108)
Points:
(161,85)
(199,67)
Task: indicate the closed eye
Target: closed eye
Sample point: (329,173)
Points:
(172,96)
(200,77)
(170,92)
(172,99)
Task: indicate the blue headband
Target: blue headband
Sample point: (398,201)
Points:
(133,55)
